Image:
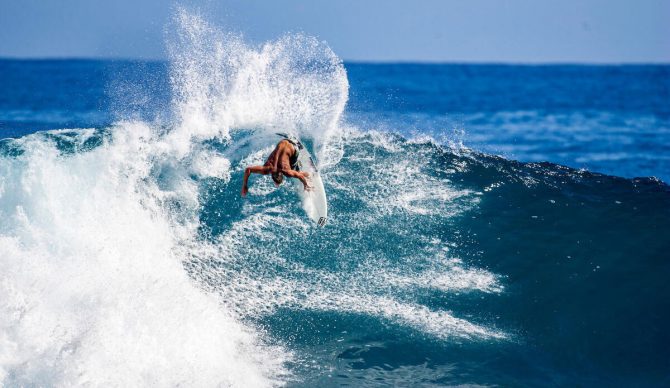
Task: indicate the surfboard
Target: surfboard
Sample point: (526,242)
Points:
(313,201)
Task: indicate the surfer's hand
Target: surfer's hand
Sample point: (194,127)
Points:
(306,180)
(303,178)
(245,190)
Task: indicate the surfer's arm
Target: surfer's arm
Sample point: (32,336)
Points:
(302,176)
(263,170)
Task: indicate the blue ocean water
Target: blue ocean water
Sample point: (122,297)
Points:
(609,119)
(490,225)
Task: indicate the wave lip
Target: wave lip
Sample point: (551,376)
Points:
(295,84)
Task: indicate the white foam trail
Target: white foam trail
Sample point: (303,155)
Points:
(247,255)
(262,293)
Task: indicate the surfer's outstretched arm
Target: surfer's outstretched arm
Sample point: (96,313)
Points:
(263,170)
(302,176)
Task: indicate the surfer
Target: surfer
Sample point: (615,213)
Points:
(282,161)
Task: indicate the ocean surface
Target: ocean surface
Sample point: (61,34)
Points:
(490,225)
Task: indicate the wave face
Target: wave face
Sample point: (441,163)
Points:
(129,257)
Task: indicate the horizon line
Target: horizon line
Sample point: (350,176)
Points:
(365,61)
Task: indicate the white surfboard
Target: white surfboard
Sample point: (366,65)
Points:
(313,201)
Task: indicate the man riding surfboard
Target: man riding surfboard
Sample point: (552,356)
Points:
(282,161)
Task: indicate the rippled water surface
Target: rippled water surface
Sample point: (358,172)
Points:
(489,225)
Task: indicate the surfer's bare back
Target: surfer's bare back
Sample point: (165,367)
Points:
(282,161)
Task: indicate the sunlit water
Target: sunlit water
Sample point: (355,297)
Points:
(129,258)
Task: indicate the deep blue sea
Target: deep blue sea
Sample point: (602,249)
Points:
(490,225)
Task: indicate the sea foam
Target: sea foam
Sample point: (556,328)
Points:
(129,259)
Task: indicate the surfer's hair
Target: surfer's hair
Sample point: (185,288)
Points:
(278,177)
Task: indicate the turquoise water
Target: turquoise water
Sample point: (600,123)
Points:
(486,223)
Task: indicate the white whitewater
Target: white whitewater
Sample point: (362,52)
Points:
(106,279)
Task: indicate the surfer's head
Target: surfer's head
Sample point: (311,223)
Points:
(278,178)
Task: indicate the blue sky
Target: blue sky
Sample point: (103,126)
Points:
(517,31)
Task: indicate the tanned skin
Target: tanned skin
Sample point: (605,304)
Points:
(278,164)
